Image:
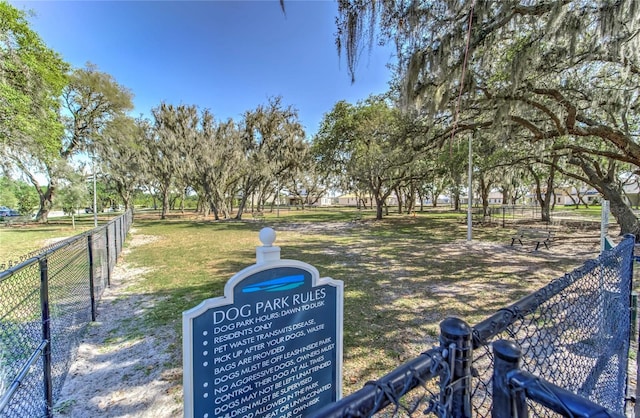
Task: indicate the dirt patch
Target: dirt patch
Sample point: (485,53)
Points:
(51,241)
(120,370)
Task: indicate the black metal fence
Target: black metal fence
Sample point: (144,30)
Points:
(506,214)
(567,352)
(46,302)
(510,216)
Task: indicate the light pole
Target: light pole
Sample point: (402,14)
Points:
(470,193)
(95,198)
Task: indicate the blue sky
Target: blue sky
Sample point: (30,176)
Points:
(228,56)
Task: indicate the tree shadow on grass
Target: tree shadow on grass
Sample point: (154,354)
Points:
(402,277)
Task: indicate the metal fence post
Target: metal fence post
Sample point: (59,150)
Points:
(455,338)
(507,356)
(118,237)
(46,336)
(92,293)
(106,239)
(115,240)
(123,226)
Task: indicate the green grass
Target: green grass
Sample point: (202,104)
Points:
(18,240)
(402,275)
(398,274)
(591,211)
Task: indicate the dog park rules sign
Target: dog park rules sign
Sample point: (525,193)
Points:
(270,347)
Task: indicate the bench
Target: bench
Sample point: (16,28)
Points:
(538,236)
(257,216)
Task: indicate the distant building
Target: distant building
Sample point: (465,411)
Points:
(322,201)
(348,200)
(570,196)
(631,194)
(495,197)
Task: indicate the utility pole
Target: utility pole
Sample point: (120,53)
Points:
(95,197)
(470,193)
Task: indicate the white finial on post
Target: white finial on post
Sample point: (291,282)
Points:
(268,252)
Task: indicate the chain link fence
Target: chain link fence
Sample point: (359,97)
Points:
(574,333)
(47,301)
(572,337)
(513,216)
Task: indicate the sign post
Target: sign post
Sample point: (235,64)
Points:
(270,347)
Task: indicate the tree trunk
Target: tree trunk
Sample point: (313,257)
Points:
(214,209)
(484,195)
(605,183)
(456,199)
(46,203)
(506,195)
(411,199)
(184,194)
(172,201)
(544,201)
(200,204)
(165,204)
(243,202)
(399,199)
(379,207)
(209,197)
(273,202)
(127,204)
(626,219)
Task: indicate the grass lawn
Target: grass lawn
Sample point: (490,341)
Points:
(402,275)
(18,240)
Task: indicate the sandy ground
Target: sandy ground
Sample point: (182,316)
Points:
(115,375)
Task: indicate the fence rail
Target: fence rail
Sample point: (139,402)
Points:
(572,336)
(47,300)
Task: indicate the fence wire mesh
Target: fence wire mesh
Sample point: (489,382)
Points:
(50,294)
(574,333)
(69,304)
(100,262)
(20,336)
(8,264)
